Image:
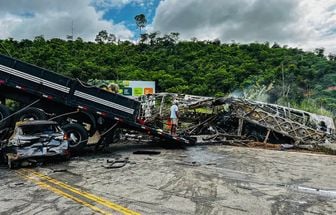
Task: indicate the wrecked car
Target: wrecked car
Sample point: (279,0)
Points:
(33,140)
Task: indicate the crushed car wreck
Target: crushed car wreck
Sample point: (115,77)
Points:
(220,120)
(33,140)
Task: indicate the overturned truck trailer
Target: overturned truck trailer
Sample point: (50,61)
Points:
(28,92)
(209,119)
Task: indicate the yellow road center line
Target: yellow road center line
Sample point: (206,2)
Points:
(61,193)
(87,195)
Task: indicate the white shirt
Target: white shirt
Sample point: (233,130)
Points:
(173,110)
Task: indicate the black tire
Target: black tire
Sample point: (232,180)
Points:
(4,112)
(111,137)
(117,135)
(3,155)
(77,131)
(30,114)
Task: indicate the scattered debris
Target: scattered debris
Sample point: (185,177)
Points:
(286,146)
(59,170)
(116,163)
(15,184)
(211,164)
(193,163)
(146,152)
(19,183)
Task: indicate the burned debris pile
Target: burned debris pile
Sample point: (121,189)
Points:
(240,121)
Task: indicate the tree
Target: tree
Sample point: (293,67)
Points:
(143,38)
(101,36)
(332,57)
(104,37)
(152,37)
(216,42)
(208,68)
(194,39)
(174,36)
(111,38)
(319,52)
(140,21)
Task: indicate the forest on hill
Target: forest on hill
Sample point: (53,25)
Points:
(262,71)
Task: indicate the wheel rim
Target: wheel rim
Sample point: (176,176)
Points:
(75,138)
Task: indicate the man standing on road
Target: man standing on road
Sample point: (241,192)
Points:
(174,117)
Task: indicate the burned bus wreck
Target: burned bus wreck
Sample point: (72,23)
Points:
(237,120)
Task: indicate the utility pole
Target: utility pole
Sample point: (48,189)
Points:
(72,29)
(70,37)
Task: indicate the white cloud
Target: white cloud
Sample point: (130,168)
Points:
(107,4)
(23,19)
(302,23)
(320,18)
(305,24)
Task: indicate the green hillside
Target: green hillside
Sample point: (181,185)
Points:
(282,75)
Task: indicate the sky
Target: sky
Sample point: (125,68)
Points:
(305,24)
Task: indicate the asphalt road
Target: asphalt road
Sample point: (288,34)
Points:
(197,180)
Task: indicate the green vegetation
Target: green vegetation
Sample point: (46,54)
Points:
(288,76)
